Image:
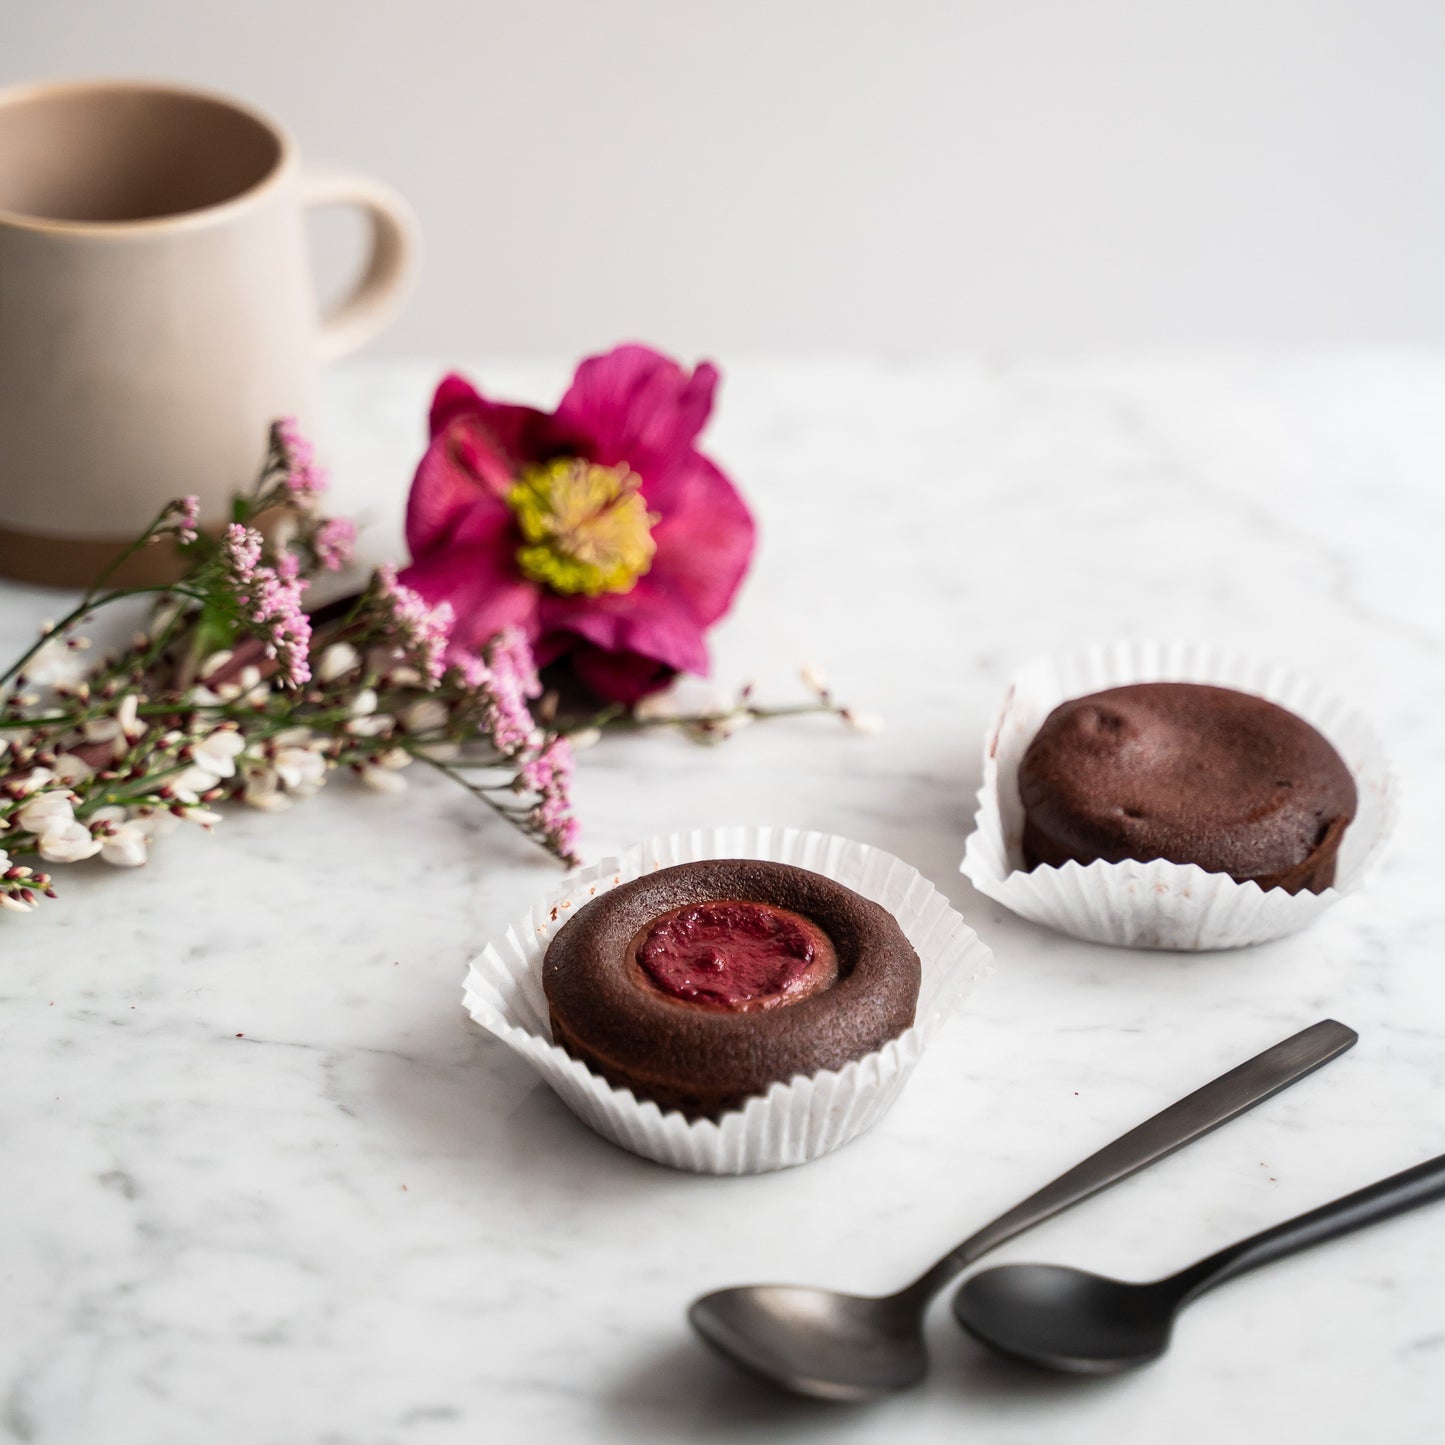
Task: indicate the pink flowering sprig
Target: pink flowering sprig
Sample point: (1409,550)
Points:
(386,659)
(291,475)
(289,493)
(333,543)
(247,582)
(491,742)
(254,575)
(294,456)
(266,600)
(417,629)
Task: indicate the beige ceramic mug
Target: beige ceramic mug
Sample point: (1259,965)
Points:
(157,308)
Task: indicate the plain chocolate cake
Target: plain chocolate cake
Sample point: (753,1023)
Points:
(1190,773)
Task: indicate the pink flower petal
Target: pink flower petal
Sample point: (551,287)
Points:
(459,481)
(646,621)
(637,406)
(454,394)
(520,434)
(704,542)
(478,449)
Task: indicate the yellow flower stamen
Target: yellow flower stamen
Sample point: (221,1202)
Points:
(586,528)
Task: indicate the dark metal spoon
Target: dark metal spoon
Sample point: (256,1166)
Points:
(1068,1319)
(837,1346)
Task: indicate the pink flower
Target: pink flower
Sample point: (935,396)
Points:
(335,543)
(600,530)
(422,631)
(503,681)
(270,599)
(306,478)
(559,829)
(181,519)
(549,775)
(550,771)
(511,657)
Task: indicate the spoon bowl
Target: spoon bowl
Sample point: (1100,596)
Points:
(828,1345)
(1068,1319)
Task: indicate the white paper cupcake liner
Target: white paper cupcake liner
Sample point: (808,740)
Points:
(1159,904)
(794,1121)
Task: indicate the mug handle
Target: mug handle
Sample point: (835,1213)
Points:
(378,293)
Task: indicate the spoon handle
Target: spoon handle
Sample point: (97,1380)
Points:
(1228,1096)
(1407,1190)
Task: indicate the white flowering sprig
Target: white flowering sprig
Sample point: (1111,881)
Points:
(715,718)
(234,691)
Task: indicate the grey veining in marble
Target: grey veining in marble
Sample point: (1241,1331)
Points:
(265,1183)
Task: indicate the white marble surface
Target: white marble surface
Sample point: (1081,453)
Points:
(265,1183)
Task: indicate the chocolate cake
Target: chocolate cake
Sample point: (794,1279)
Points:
(1190,773)
(701,985)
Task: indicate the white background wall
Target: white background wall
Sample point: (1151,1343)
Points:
(745,176)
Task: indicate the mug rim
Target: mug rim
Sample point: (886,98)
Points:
(202,215)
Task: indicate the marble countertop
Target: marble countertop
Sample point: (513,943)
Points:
(266,1182)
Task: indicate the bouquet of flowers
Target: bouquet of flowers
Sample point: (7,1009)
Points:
(595,542)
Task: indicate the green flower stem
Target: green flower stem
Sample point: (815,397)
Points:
(140,543)
(616,712)
(619,719)
(135,792)
(417,748)
(88,604)
(477,790)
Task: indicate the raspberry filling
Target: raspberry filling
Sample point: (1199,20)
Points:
(734,955)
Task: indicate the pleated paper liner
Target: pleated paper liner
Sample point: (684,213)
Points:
(793,1122)
(1159,904)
